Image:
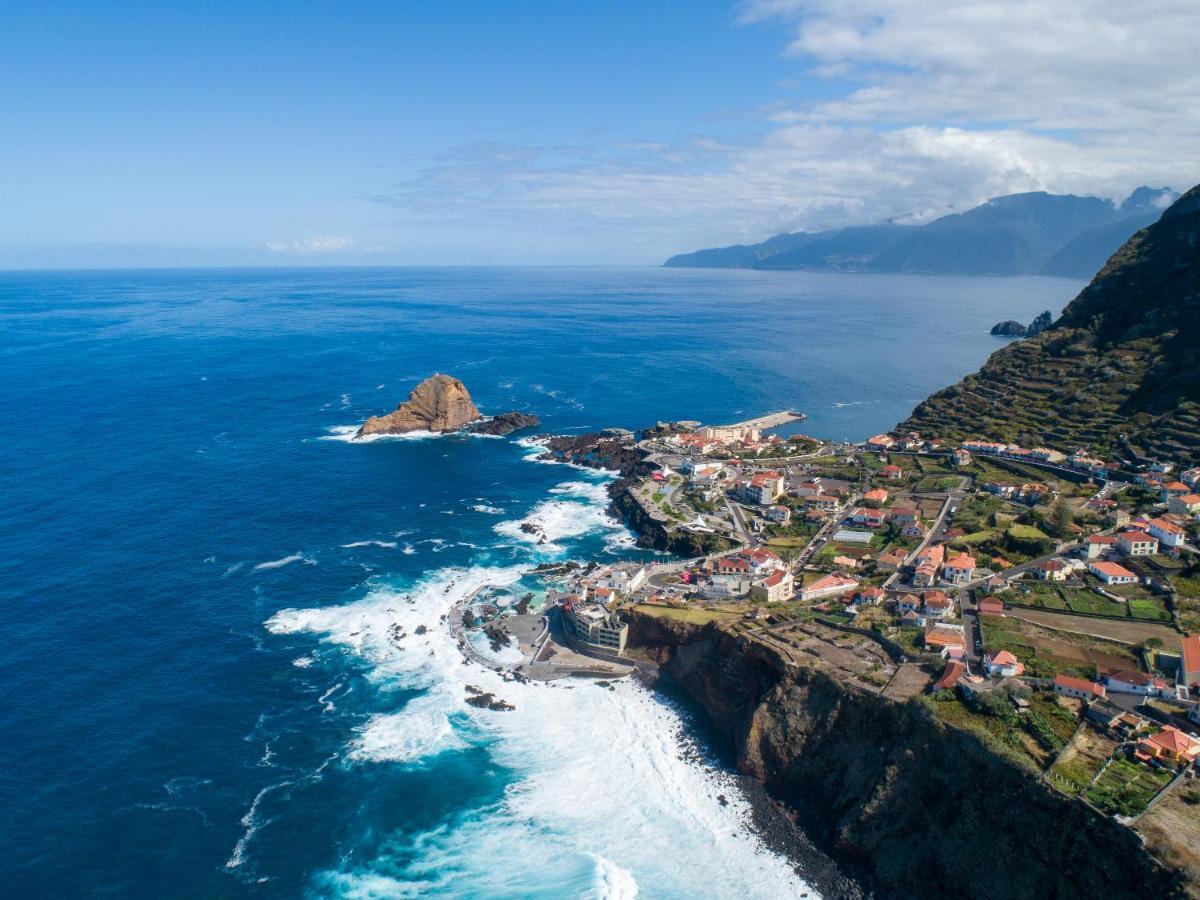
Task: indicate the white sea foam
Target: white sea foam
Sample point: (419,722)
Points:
(577,510)
(302,662)
(490,510)
(420,730)
(390,545)
(346,434)
(409,550)
(284,561)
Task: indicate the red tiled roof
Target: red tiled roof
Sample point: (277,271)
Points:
(950,675)
(1004,658)
(1079,684)
(1191,653)
(1111,569)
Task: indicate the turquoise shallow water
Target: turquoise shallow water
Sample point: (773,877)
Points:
(198,580)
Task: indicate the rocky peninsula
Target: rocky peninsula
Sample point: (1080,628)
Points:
(442,404)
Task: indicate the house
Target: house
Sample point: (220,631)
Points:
(705,476)
(829,586)
(1186,505)
(1098,544)
(941,636)
(1003,664)
(845,562)
(990,606)
(869,595)
(937,605)
(871,518)
(960,457)
(954,670)
(928,562)
(891,473)
(890,561)
(1170,745)
(1133,542)
(778,587)
(877,495)
(779,514)
(880,442)
(763,488)
(1168,533)
(1192,477)
(1189,669)
(1110,573)
(1173,489)
(812,488)
(1052,570)
(821,503)
(914,530)
(1078,687)
(1129,681)
(959,570)
(902,515)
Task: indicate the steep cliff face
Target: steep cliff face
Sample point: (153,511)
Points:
(1118,372)
(910,807)
(439,403)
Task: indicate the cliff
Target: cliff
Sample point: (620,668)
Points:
(907,805)
(1118,372)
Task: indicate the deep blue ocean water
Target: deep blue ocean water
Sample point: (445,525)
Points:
(198,576)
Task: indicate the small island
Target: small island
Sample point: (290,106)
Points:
(442,404)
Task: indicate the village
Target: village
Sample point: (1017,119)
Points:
(1047,602)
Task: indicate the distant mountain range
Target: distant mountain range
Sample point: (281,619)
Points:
(1021,234)
(1118,373)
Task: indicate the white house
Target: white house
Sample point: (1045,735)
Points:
(1004,665)
(1136,543)
(959,570)
(1111,573)
(1168,533)
(828,586)
(1128,681)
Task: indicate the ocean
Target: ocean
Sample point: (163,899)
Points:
(215,678)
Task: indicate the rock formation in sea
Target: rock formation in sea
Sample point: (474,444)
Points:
(442,403)
(1016,329)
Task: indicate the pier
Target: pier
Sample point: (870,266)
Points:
(770,420)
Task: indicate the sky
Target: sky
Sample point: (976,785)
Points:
(587,132)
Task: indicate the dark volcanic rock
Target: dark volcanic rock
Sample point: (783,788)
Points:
(1040,324)
(506,423)
(1009,329)
(489,701)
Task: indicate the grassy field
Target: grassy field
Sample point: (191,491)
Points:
(1131,631)
(1079,763)
(1047,653)
(694,615)
(1172,830)
(1126,788)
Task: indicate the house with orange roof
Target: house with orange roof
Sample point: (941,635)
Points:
(928,563)
(937,605)
(1170,745)
(1174,489)
(871,518)
(778,587)
(829,586)
(1189,667)
(1186,505)
(1080,688)
(990,606)
(891,472)
(1052,570)
(1111,573)
(1133,542)
(880,442)
(763,488)
(1167,532)
(890,561)
(870,595)
(902,515)
(1003,664)
(959,570)
(955,669)
(1097,544)
(942,636)
(876,495)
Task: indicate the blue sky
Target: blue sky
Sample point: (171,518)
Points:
(583,132)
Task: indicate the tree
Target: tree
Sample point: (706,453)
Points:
(1063,518)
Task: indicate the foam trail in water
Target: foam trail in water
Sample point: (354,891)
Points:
(285,561)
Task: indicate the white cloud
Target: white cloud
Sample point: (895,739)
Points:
(942,104)
(312,246)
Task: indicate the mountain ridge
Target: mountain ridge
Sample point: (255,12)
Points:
(1017,234)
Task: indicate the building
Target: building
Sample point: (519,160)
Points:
(928,563)
(871,595)
(877,495)
(891,473)
(829,586)
(754,563)
(942,636)
(1099,544)
(1110,573)
(959,570)
(1003,664)
(1052,570)
(871,518)
(902,515)
(1133,542)
(728,434)
(595,626)
(1189,668)
(960,457)
(821,502)
(778,587)
(1168,533)
(1078,687)
(1169,745)
(990,606)
(890,561)
(881,442)
(1129,681)
(1186,505)
(937,605)
(950,675)
(763,488)
(778,514)
(1173,489)
(914,530)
